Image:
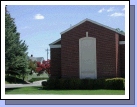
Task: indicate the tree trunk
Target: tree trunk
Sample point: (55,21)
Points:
(15,79)
(23,76)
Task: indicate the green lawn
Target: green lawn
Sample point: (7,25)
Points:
(39,90)
(31,78)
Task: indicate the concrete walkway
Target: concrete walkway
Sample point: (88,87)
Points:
(36,83)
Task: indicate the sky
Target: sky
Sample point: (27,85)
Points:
(40,25)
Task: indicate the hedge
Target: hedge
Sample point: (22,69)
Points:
(84,84)
(115,83)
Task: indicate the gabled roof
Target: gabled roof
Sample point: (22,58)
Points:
(55,42)
(91,22)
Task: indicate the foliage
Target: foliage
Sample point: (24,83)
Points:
(15,49)
(115,83)
(121,31)
(84,84)
(39,68)
(44,83)
(64,84)
(75,83)
(45,66)
(97,84)
(54,82)
(32,65)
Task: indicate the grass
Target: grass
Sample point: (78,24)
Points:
(37,79)
(31,78)
(6,82)
(12,79)
(39,90)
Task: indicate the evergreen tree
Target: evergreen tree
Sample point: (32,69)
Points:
(121,31)
(15,49)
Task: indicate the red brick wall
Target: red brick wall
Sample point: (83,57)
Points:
(117,54)
(105,49)
(55,62)
(121,38)
(122,59)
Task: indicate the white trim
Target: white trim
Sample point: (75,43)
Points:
(55,41)
(55,46)
(91,22)
(121,42)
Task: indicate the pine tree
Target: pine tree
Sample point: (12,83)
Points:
(15,49)
(121,31)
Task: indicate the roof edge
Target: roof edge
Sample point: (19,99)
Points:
(91,22)
(73,26)
(55,41)
(55,46)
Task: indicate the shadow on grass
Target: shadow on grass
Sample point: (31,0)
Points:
(12,79)
(33,88)
(10,89)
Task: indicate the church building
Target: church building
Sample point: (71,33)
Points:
(88,50)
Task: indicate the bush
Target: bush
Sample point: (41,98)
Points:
(84,84)
(98,84)
(52,83)
(75,84)
(115,83)
(64,84)
(44,84)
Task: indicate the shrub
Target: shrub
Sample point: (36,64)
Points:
(74,84)
(98,84)
(84,84)
(64,84)
(44,84)
(115,83)
(52,83)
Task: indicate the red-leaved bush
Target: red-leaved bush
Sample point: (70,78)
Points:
(43,67)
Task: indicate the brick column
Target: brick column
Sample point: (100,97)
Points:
(117,53)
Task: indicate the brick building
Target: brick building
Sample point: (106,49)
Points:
(88,50)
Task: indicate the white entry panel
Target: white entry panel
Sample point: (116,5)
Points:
(87,58)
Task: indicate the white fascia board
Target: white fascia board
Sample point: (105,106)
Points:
(73,26)
(121,42)
(105,26)
(55,46)
(55,41)
(94,23)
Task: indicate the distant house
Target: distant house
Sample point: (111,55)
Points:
(88,50)
(38,59)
